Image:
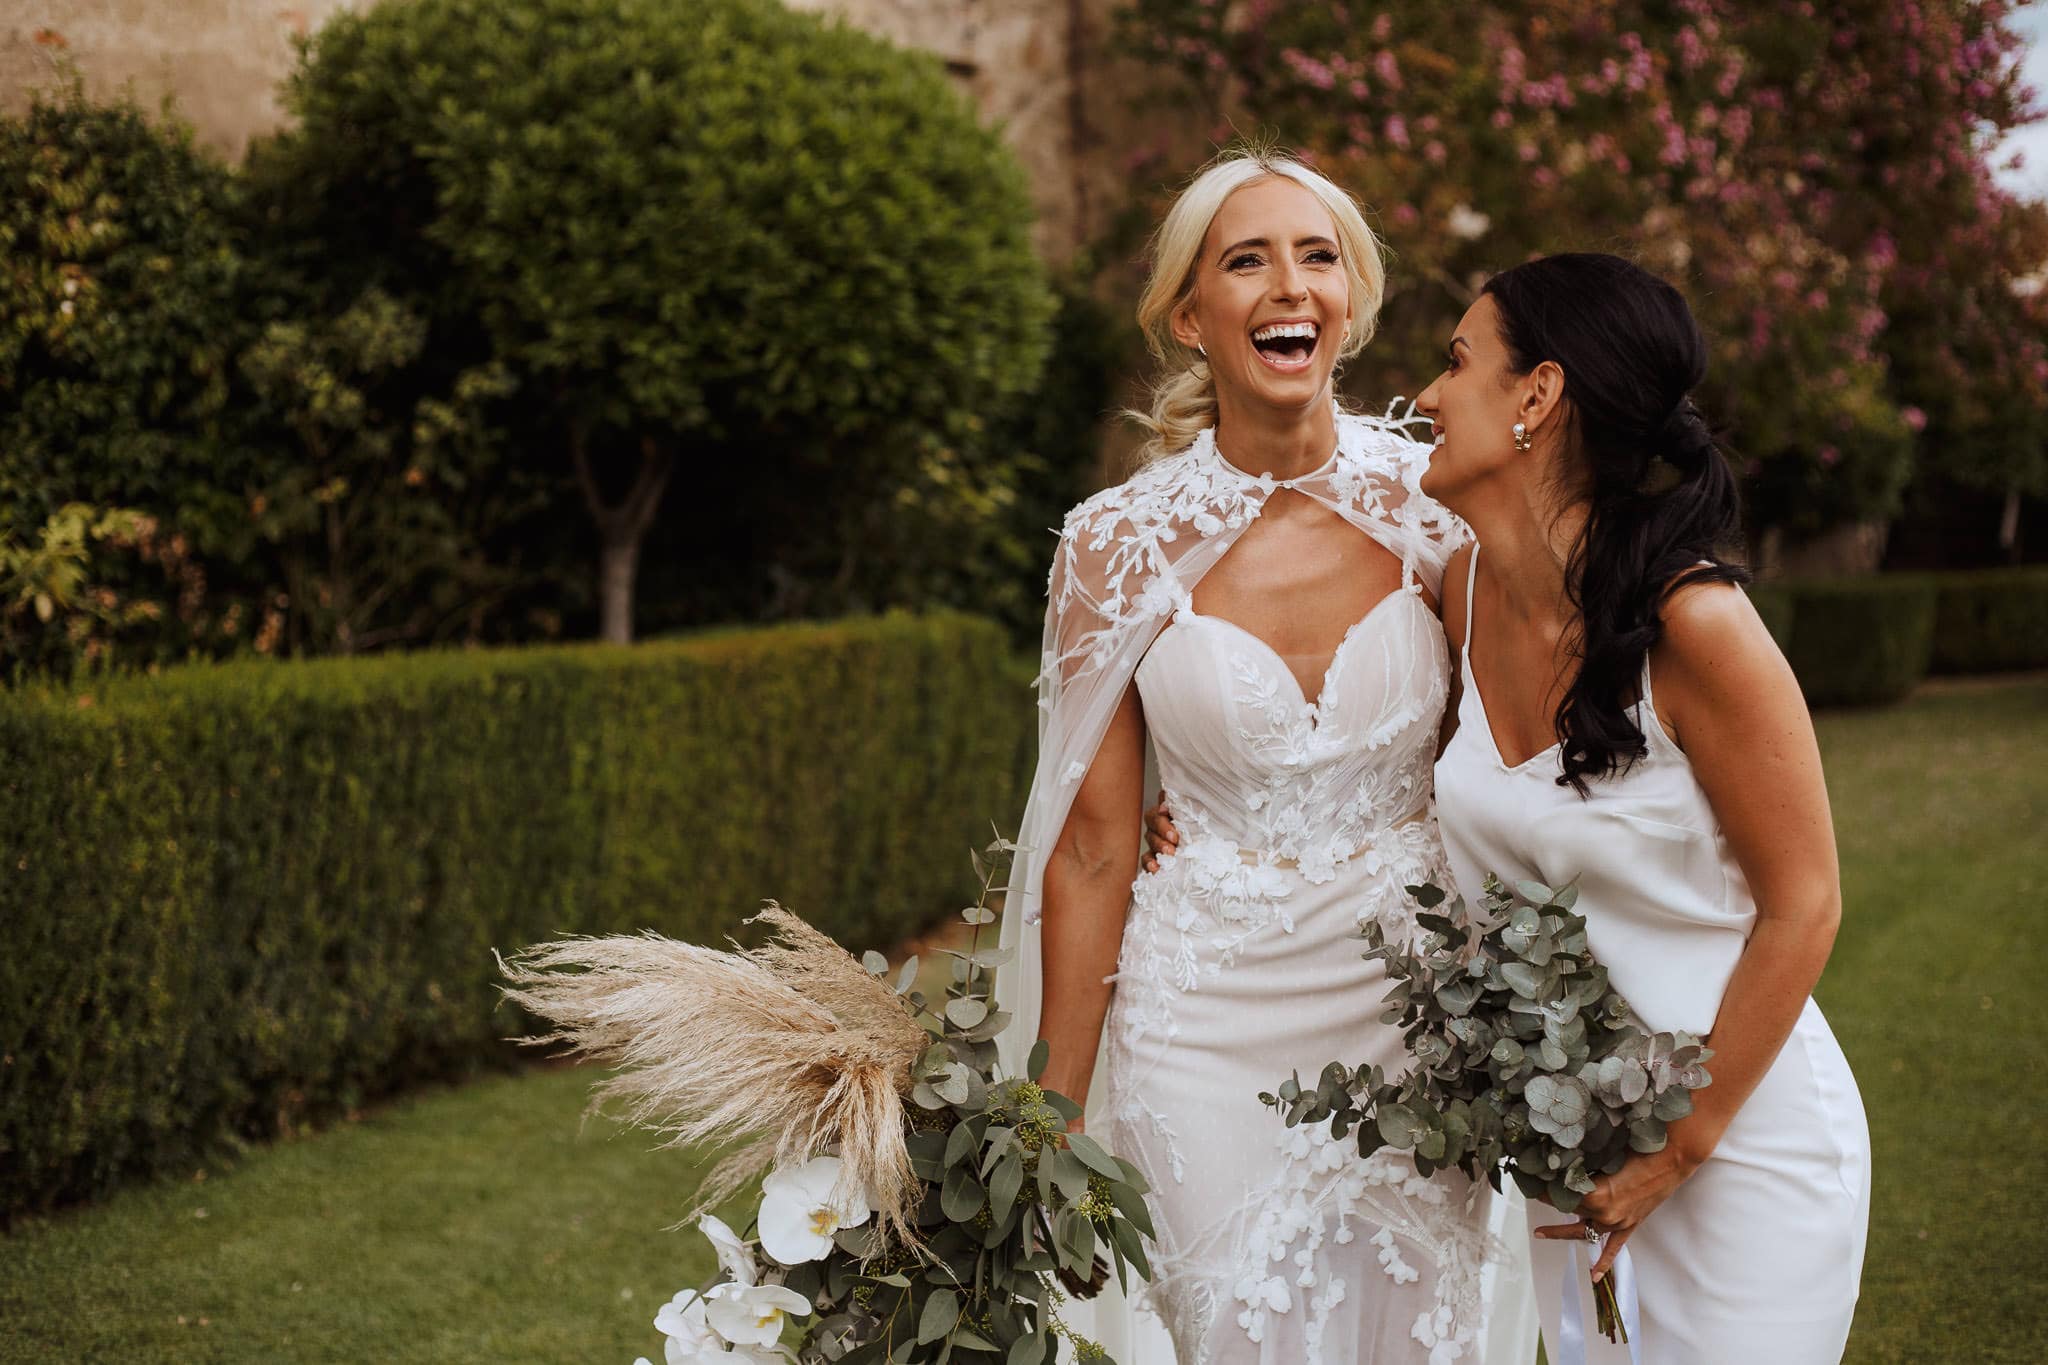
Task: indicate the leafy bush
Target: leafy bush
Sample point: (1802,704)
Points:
(1991,620)
(748,250)
(1860,641)
(248,895)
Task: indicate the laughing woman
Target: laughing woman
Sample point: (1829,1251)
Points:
(1256,605)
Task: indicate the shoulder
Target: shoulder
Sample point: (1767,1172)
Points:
(1141,497)
(1714,646)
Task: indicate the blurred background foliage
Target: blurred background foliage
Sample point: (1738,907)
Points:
(539,320)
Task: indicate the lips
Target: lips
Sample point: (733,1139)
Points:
(1287,345)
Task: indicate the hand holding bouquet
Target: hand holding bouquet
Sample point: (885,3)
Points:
(919,1205)
(1525,1059)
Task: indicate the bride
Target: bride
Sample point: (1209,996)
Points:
(1257,607)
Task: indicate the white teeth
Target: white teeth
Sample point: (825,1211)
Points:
(1285,329)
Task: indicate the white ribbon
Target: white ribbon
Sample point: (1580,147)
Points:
(1571,1348)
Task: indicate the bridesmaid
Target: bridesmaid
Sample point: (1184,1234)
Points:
(1624,721)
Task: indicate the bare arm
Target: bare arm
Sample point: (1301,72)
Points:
(1087,891)
(1728,697)
(1736,709)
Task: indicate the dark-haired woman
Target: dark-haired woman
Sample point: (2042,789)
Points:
(1624,722)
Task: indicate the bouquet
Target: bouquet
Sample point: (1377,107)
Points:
(1524,1058)
(918,1206)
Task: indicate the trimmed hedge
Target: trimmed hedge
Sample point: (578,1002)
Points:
(1861,641)
(245,896)
(1991,620)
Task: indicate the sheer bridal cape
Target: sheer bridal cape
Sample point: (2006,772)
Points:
(1127,559)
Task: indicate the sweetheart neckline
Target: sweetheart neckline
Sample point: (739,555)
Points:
(1315,707)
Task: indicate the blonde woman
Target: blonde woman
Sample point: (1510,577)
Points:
(1256,607)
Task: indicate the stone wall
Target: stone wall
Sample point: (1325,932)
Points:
(1037,67)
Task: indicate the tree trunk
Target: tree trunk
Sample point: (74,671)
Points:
(621,527)
(618,564)
(2009,526)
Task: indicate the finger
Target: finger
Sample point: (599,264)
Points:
(1151,863)
(1610,1249)
(1562,1232)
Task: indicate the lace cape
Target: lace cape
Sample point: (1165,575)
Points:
(1126,558)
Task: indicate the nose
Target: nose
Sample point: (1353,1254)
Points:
(1287,281)
(1426,401)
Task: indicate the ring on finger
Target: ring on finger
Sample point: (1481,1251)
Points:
(1590,1232)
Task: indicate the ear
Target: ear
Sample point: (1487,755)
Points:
(1542,393)
(1184,329)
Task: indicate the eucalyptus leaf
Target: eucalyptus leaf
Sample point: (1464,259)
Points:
(941,1311)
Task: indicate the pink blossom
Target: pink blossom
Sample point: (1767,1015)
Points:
(1914,418)
(1829,457)
(1397,131)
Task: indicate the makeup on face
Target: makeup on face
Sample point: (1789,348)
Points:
(1273,300)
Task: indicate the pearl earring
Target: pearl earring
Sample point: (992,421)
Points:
(1523,440)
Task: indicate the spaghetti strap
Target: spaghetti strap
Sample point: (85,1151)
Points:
(1471,577)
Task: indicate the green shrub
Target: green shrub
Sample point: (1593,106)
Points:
(1991,620)
(1860,641)
(244,896)
(754,251)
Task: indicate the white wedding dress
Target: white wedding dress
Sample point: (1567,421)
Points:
(1301,819)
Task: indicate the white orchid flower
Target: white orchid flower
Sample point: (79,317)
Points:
(732,1252)
(752,1315)
(689,1335)
(800,1213)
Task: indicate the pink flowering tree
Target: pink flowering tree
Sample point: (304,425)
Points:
(1802,171)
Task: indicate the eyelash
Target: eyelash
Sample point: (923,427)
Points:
(1322,255)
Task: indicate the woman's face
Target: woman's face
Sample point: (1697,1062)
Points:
(1271,300)
(1474,405)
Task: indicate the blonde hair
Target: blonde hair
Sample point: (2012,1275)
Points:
(1184,401)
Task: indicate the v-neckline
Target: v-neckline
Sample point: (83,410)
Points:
(1486,721)
(1314,706)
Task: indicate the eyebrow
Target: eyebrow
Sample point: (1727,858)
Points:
(1299,242)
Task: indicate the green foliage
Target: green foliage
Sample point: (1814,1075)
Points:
(52,612)
(377,516)
(246,895)
(119,270)
(1990,620)
(1524,1056)
(1861,641)
(763,251)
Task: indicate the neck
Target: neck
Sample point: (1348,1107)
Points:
(1285,443)
(1528,539)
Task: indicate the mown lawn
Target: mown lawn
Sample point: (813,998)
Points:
(486,1224)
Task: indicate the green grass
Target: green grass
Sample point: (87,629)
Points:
(479,1224)
(475,1224)
(1936,990)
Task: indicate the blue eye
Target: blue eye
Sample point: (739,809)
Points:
(1240,261)
(1323,256)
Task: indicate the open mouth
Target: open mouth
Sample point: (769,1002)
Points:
(1286,346)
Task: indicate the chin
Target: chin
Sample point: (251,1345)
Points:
(1437,478)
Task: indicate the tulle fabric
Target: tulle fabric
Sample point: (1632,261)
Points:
(1126,559)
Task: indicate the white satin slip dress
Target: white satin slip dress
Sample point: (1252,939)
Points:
(1755,1260)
